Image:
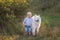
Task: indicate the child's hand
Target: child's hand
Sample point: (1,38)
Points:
(23,24)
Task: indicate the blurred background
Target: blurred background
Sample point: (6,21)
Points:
(12,13)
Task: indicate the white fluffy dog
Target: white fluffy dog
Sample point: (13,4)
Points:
(36,24)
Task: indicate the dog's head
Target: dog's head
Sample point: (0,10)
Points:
(36,18)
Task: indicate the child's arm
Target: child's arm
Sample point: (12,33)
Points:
(24,22)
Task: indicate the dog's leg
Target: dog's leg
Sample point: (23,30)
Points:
(33,32)
(38,28)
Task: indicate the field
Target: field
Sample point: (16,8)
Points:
(13,12)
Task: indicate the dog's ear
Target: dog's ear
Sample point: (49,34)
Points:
(35,15)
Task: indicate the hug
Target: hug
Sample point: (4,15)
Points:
(32,24)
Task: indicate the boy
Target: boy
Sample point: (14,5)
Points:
(28,23)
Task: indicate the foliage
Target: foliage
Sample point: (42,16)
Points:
(10,13)
(48,10)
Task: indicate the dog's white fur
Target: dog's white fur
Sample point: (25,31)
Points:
(36,25)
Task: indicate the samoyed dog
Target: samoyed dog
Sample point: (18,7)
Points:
(36,23)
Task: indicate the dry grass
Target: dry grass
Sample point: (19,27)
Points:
(44,34)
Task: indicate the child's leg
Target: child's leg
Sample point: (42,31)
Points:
(30,31)
(26,30)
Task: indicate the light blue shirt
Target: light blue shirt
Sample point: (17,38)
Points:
(28,21)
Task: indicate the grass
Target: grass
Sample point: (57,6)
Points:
(50,29)
(44,34)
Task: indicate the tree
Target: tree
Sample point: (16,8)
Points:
(10,12)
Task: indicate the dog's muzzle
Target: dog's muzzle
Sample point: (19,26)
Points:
(37,20)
